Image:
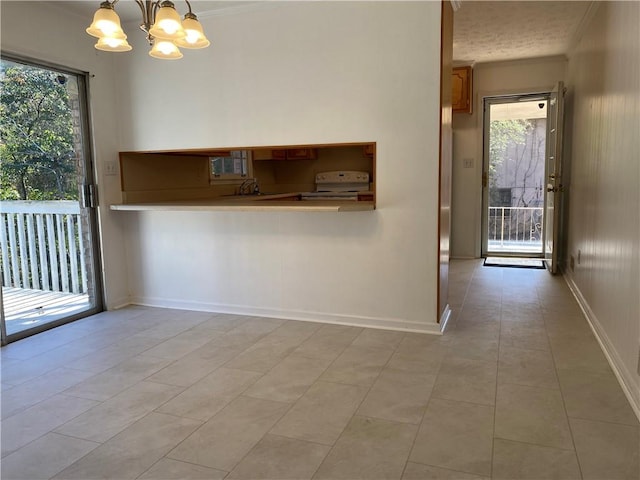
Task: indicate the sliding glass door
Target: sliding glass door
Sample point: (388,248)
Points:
(48,223)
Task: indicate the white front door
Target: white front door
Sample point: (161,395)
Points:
(514,179)
(555,115)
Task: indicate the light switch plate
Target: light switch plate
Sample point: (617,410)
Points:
(110,168)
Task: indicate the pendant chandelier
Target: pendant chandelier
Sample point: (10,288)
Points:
(160,21)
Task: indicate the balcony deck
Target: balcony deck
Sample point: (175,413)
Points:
(26,308)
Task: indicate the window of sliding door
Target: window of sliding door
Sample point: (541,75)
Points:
(48,228)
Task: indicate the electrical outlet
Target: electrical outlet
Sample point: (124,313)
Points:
(110,168)
(467,163)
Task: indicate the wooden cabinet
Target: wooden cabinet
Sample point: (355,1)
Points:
(262,154)
(279,154)
(462,90)
(285,154)
(301,153)
(368,150)
(219,153)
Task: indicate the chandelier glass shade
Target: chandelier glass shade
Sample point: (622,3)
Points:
(112,44)
(166,50)
(160,21)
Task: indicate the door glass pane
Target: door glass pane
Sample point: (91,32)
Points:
(515,177)
(48,269)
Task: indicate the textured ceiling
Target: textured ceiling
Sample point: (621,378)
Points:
(509,30)
(483,31)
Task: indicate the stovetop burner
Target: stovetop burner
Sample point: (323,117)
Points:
(342,181)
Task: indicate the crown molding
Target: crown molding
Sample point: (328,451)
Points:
(583,25)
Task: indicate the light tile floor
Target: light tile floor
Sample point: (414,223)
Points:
(517,388)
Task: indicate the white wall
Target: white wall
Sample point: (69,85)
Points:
(49,33)
(296,73)
(489,79)
(604,219)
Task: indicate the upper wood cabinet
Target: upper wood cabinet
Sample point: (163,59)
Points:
(262,154)
(301,153)
(280,154)
(285,154)
(462,90)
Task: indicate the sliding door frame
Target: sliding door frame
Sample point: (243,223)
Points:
(87,193)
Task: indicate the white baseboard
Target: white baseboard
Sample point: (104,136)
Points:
(118,303)
(302,315)
(624,376)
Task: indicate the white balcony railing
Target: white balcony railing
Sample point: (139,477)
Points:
(515,229)
(41,246)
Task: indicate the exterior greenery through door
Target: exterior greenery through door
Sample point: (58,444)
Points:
(37,155)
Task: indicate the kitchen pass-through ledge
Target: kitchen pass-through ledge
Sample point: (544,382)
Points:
(249,205)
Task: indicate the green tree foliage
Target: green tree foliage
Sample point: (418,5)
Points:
(502,134)
(37,158)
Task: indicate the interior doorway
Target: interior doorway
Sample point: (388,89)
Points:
(515,147)
(48,228)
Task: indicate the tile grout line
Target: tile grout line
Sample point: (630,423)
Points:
(292,405)
(98,444)
(564,406)
(363,397)
(495,404)
(448,349)
(145,415)
(539,445)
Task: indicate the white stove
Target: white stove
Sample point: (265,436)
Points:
(339,185)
